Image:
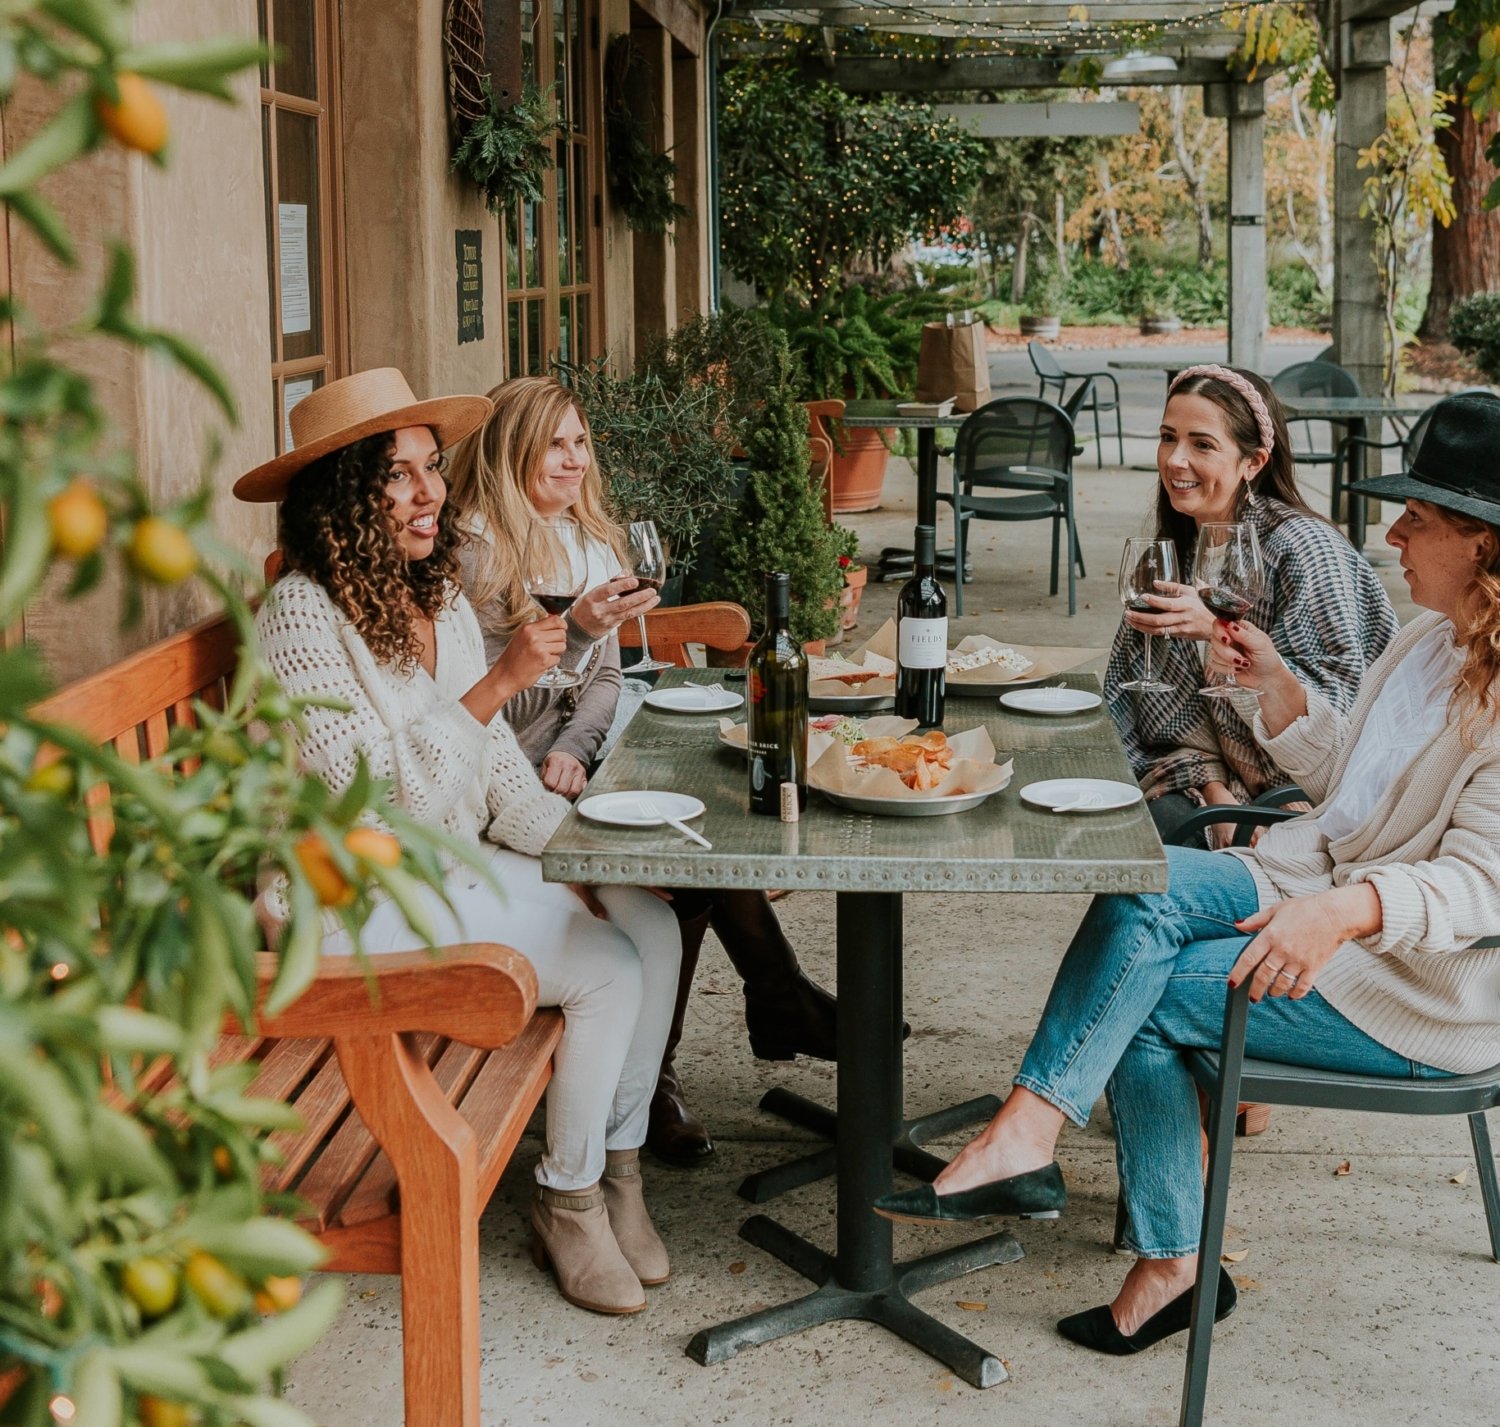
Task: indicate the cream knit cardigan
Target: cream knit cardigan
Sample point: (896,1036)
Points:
(446,768)
(1431,849)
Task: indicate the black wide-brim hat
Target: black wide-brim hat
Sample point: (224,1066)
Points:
(1457,466)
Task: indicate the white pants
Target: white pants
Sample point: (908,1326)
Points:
(615,981)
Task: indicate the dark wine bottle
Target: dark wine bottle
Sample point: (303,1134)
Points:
(777,692)
(922,639)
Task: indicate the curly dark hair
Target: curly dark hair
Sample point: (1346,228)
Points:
(333,527)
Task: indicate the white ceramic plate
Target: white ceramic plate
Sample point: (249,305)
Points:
(1080,795)
(693,699)
(910,807)
(636,809)
(1051,701)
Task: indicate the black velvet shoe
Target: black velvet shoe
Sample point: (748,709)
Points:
(1037,1194)
(1097,1329)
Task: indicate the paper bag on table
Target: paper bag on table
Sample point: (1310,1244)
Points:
(973,770)
(953,362)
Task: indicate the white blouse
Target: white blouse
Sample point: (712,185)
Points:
(1406,716)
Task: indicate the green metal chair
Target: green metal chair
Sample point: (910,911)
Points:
(1016,444)
(1051,373)
(1314,379)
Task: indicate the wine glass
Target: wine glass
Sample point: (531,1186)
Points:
(1144,563)
(554,569)
(1229,575)
(649,565)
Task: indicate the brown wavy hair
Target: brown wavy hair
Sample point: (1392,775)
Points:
(1478,631)
(335,527)
(1277,479)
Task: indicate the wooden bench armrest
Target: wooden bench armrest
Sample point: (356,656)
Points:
(480,994)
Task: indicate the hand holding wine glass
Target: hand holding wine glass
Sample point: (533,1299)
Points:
(1144,564)
(648,563)
(555,572)
(1229,575)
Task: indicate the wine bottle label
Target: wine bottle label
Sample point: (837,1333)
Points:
(922,644)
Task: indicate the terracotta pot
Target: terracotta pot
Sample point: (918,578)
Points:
(859,458)
(815,648)
(1047,327)
(854,588)
(1160,326)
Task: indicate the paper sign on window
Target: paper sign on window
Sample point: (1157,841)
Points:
(292,391)
(296,294)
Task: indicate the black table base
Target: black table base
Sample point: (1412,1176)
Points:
(861,1280)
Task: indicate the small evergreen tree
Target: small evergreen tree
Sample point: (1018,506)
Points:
(780,523)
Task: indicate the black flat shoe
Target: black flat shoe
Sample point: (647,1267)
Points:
(1037,1194)
(1097,1329)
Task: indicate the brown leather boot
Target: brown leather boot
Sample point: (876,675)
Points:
(674,1134)
(785,1013)
(571,1235)
(631,1221)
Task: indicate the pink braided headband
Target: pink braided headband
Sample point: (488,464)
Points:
(1253,399)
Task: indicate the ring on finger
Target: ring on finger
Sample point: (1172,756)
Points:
(1290,975)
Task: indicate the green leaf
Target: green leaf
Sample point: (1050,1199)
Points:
(162,1370)
(92,19)
(269,1412)
(202,65)
(170,345)
(260,1248)
(301,948)
(276,1341)
(119,286)
(72,130)
(125,1154)
(23,680)
(95,1389)
(46,222)
(124,1030)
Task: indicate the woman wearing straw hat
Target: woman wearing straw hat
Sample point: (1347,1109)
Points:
(1355,922)
(368,613)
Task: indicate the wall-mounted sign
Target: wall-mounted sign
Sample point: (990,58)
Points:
(467,245)
(293,389)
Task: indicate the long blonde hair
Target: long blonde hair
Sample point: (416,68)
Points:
(1479,634)
(490,477)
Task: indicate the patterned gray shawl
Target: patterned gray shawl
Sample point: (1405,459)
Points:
(1329,617)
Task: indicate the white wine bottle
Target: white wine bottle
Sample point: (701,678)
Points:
(778,711)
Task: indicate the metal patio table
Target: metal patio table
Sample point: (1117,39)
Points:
(896,562)
(870,862)
(1357,413)
(1134,364)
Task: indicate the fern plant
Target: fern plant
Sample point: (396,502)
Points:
(855,344)
(507,153)
(641,181)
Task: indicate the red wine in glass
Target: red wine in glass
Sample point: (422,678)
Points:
(1141,605)
(555,565)
(1228,605)
(648,582)
(555,604)
(648,563)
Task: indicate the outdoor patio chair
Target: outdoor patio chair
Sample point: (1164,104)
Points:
(1313,379)
(1051,373)
(1227,1076)
(1019,444)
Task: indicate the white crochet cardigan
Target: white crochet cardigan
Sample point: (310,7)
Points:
(446,768)
(1431,848)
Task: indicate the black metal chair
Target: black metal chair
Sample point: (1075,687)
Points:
(1314,379)
(1227,1077)
(1051,373)
(1018,444)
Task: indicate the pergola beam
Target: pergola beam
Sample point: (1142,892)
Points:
(924,76)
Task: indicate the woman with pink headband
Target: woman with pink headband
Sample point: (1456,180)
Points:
(1224,454)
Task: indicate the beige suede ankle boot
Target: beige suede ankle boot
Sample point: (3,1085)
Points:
(571,1235)
(628,1217)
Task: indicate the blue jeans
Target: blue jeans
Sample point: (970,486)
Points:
(1146,978)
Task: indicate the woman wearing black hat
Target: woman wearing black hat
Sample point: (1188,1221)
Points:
(368,621)
(1355,922)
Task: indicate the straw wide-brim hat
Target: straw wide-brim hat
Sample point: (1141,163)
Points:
(1457,465)
(352,408)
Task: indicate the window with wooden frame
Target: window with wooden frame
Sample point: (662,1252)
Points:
(551,247)
(304,228)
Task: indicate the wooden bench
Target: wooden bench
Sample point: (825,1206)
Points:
(413,1100)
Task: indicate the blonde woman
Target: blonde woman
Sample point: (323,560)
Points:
(367,617)
(533,460)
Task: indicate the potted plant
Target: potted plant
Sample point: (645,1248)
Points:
(780,526)
(1041,316)
(1153,297)
(855,575)
(857,346)
(664,451)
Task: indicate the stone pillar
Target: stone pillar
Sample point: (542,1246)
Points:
(690,154)
(655,271)
(1244,107)
(1363,55)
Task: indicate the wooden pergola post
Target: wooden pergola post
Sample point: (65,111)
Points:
(1244,107)
(1363,54)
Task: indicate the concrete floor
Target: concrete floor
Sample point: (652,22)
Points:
(1365,1298)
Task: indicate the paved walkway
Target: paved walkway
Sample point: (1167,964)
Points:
(1366,1298)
